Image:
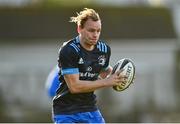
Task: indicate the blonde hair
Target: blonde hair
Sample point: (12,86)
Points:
(84,15)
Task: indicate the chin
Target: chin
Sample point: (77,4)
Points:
(94,42)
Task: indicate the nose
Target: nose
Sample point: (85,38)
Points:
(96,34)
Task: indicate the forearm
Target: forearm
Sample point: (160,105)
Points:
(105,73)
(89,86)
(81,86)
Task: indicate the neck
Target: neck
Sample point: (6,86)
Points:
(85,45)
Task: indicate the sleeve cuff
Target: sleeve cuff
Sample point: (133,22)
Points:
(70,71)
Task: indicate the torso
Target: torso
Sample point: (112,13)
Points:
(89,64)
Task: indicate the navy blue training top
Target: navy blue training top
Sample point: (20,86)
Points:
(74,59)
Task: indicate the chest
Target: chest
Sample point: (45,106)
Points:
(91,61)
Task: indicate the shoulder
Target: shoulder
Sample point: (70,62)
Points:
(103,46)
(69,47)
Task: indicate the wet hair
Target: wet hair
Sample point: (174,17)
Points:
(84,15)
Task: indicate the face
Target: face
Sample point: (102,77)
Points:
(90,33)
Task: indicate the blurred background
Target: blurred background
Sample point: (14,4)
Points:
(147,31)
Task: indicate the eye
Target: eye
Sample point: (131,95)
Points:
(91,30)
(99,30)
(94,30)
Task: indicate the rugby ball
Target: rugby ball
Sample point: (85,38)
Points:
(128,69)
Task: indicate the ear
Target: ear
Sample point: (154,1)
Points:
(79,29)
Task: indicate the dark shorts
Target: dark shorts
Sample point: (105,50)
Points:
(83,117)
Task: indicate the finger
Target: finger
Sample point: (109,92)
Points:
(124,79)
(121,83)
(119,71)
(121,78)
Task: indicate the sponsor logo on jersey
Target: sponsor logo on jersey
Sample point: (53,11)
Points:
(89,68)
(87,74)
(81,61)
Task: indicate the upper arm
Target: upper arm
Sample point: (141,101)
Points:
(71,80)
(68,58)
(68,61)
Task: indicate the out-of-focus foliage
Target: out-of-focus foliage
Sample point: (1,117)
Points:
(65,3)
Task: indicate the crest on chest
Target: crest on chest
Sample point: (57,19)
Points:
(101,60)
